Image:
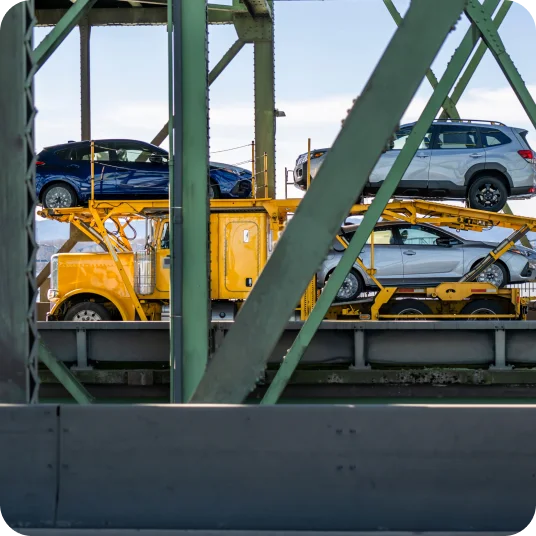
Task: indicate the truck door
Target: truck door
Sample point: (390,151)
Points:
(238,253)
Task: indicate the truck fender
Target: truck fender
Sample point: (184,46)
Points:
(105,295)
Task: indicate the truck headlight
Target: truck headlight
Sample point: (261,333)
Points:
(54,273)
(53,295)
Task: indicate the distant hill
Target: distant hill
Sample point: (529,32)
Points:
(48,231)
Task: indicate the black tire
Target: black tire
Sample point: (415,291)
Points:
(88,312)
(409,307)
(487,193)
(63,193)
(485,307)
(491,273)
(213,191)
(351,288)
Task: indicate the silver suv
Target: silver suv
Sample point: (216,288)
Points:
(482,162)
(423,255)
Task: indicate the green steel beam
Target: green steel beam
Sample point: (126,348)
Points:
(18,331)
(236,47)
(242,356)
(491,37)
(260,32)
(469,72)
(264,75)
(141,16)
(226,59)
(448,106)
(492,40)
(64,27)
(455,66)
(175,298)
(64,376)
(258,8)
(195,212)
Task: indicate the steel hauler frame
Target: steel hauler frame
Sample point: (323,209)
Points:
(352,468)
(243,259)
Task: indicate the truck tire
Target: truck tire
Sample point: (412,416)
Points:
(88,312)
(409,307)
(485,307)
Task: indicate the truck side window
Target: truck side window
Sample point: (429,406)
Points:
(164,241)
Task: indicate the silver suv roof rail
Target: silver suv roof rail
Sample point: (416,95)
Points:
(470,121)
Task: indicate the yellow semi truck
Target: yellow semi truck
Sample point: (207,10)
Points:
(122,284)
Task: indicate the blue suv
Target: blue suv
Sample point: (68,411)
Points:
(124,169)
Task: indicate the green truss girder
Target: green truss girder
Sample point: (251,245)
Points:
(195,211)
(448,106)
(471,68)
(226,59)
(243,354)
(258,8)
(64,376)
(294,355)
(58,34)
(491,37)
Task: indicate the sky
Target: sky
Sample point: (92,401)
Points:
(325,54)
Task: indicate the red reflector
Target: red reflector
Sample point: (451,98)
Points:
(526,154)
(406,290)
(478,290)
(532,190)
(39,163)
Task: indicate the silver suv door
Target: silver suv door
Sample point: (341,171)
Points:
(416,175)
(456,150)
(425,261)
(387,256)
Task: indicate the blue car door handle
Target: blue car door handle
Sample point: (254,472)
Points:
(73,166)
(476,155)
(409,252)
(423,156)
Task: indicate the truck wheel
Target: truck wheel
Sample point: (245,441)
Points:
(409,307)
(485,307)
(88,312)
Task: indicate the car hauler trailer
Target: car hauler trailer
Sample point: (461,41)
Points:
(123,284)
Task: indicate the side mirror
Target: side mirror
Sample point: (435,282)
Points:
(156,159)
(444,242)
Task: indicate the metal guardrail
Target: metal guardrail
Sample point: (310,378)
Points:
(528,290)
(411,469)
(500,344)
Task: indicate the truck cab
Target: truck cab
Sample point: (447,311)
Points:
(89,286)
